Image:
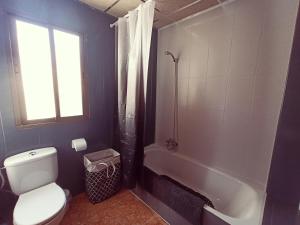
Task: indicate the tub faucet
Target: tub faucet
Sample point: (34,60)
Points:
(171,144)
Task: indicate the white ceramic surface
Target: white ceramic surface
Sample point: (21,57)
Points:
(39,205)
(32,169)
(236,202)
(232,72)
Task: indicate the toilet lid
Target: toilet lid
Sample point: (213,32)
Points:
(39,205)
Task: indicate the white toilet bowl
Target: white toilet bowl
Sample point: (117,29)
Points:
(44,205)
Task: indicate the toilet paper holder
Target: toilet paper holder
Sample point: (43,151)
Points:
(79,144)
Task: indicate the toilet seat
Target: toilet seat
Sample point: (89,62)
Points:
(39,205)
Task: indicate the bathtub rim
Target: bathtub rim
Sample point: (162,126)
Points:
(258,188)
(259,193)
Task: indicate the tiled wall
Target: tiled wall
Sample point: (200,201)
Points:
(99,59)
(232,72)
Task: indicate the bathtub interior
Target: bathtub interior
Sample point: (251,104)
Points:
(230,196)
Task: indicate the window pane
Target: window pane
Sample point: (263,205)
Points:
(36,70)
(67,50)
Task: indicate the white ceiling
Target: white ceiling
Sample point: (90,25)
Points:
(166,12)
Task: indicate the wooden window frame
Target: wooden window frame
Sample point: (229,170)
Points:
(17,85)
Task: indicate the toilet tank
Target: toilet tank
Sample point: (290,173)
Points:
(32,169)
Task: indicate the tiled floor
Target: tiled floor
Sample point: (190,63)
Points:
(122,209)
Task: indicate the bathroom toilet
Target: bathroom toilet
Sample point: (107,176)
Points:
(32,176)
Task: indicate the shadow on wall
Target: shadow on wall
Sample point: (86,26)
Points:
(7,205)
(283,184)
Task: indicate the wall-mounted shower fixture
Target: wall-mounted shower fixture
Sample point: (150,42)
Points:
(172,143)
(175,60)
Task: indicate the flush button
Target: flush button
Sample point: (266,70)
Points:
(32,153)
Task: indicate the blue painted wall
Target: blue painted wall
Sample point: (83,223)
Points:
(284,182)
(283,190)
(99,46)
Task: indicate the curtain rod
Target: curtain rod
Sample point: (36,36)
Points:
(156,9)
(126,16)
(116,23)
(221,4)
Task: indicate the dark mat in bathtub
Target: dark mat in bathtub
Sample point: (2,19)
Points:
(186,202)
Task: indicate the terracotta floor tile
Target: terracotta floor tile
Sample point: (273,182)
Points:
(122,209)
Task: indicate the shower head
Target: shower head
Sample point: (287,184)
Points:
(171,54)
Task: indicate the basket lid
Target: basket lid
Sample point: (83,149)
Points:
(101,155)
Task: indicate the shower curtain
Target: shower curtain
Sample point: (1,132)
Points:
(134,38)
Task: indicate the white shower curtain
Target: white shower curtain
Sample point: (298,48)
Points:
(134,39)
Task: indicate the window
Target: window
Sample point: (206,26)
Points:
(48,74)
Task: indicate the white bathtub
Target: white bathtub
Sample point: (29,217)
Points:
(236,202)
